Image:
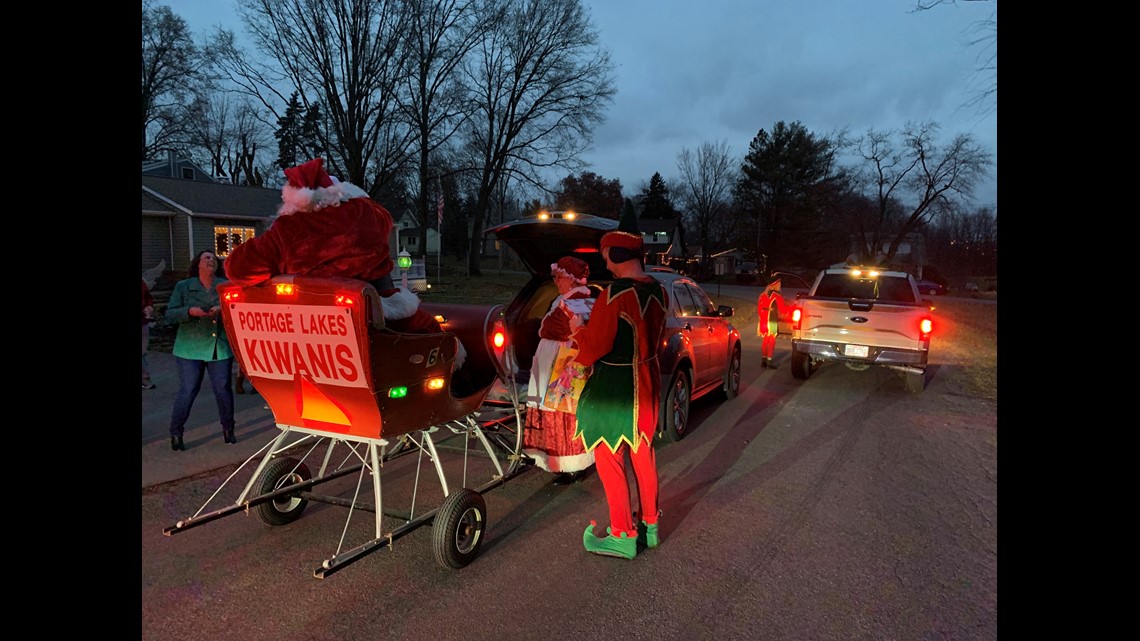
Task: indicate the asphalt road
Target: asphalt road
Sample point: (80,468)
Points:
(836,508)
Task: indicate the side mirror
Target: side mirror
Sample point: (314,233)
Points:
(724,311)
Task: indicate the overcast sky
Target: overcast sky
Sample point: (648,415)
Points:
(721,70)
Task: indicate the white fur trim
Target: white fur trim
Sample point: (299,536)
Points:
(560,464)
(460,356)
(555,269)
(295,199)
(400,305)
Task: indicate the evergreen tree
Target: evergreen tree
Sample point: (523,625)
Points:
(656,204)
(298,134)
(288,134)
(628,217)
(788,180)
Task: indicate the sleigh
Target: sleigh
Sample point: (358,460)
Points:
(350,397)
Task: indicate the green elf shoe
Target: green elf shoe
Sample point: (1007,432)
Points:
(624,547)
(647,535)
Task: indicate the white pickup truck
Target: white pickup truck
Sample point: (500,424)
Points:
(862,316)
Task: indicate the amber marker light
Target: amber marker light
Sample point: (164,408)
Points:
(232,296)
(440,319)
(543,215)
(345,300)
(435,383)
(569,215)
(285,289)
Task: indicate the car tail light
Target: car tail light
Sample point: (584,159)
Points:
(925,327)
(797,316)
(499,337)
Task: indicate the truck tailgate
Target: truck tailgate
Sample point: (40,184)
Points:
(891,325)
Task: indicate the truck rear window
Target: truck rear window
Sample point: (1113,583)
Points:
(886,289)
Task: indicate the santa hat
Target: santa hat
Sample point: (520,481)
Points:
(309,188)
(575,268)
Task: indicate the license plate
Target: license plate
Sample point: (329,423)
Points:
(860,351)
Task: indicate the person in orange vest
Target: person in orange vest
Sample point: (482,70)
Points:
(769,309)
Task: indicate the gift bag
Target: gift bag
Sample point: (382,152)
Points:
(566,382)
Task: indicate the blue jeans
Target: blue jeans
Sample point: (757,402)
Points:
(190,374)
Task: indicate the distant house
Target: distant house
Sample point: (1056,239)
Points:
(408,233)
(662,240)
(186,210)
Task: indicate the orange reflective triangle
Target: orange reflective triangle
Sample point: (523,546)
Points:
(315,406)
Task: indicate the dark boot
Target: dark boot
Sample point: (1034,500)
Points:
(176,443)
(228,435)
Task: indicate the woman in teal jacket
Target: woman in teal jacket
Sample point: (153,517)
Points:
(200,346)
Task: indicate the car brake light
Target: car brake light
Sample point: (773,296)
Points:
(499,336)
(925,327)
(797,315)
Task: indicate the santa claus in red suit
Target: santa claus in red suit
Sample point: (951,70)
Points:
(325,227)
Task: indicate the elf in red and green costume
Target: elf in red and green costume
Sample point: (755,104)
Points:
(618,408)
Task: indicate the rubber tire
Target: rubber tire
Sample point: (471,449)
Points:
(915,382)
(457,531)
(675,406)
(278,474)
(801,365)
(731,385)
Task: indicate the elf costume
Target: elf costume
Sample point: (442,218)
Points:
(329,228)
(769,308)
(618,408)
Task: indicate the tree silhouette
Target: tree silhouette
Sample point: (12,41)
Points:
(787,179)
(656,204)
(171,65)
(590,194)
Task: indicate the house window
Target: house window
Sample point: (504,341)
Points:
(413,241)
(188,173)
(226,238)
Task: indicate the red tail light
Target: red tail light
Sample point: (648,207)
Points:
(499,337)
(346,300)
(797,316)
(925,327)
(232,295)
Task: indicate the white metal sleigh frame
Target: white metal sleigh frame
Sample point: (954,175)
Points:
(317,351)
